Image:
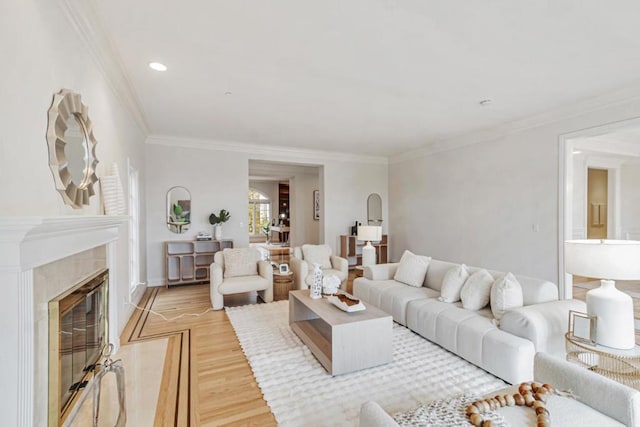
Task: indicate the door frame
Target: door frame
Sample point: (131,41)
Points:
(567,144)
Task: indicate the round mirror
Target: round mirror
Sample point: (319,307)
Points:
(178,209)
(76,150)
(72,146)
(374,209)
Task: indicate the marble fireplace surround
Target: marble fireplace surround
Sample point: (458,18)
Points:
(39,259)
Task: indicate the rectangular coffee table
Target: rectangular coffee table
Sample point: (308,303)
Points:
(342,342)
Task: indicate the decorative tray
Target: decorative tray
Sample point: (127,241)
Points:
(346,302)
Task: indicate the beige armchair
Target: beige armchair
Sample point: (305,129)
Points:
(236,271)
(303,259)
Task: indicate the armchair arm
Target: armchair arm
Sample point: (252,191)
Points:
(215,275)
(339,263)
(266,271)
(600,393)
(381,271)
(300,270)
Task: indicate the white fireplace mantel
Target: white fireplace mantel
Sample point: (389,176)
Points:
(27,243)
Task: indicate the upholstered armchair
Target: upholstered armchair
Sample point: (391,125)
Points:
(240,270)
(303,259)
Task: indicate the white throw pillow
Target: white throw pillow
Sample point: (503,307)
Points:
(452,283)
(506,293)
(320,254)
(240,262)
(412,269)
(477,290)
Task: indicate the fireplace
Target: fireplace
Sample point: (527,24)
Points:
(78,335)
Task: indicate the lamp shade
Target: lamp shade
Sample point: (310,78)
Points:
(369,233)
(603,259)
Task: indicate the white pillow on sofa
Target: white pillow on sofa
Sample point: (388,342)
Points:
(506,293)
(477,290)
(412,269)
(452,283)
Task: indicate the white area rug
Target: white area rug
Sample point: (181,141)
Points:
(301,393)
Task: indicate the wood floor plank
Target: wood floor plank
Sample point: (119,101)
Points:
(206,380)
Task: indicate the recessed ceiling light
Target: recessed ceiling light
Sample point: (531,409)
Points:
(576,151)
(157,66)
(228,93)
(485,102)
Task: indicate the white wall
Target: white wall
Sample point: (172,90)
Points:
(630,200)
(218,179)
(304,228)
(492,203)
(42,54)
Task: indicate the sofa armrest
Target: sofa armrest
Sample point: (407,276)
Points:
(543,324)
(381,271)
(613,399)
(215,280)
(300,270)
(372,415)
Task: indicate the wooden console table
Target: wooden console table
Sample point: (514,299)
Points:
(188,261)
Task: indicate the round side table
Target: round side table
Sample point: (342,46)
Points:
(620,365)
(282,284)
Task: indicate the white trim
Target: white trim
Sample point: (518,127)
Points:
(86,23)
(26,364)
(566,144)
(259,151)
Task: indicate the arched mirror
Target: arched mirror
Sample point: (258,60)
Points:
(178,209)
(374,209)
(71,142)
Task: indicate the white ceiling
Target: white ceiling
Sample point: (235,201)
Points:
(376,77)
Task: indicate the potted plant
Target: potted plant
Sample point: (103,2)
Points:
(266,230)
(217,221)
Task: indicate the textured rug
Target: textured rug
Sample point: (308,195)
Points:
(301,393)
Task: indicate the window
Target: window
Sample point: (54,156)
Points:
(134,228)
(259,211)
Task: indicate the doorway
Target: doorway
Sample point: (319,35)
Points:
(597,195)
(600,178)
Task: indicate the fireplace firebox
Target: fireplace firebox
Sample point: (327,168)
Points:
(78,335)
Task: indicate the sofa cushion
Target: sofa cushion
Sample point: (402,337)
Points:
(240,262)
(320,254)
(476,291)
(436,272)
(452,283)
(412,269)
(236,285)
(506,293)
(390,296)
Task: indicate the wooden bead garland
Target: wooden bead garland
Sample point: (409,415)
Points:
(530,394)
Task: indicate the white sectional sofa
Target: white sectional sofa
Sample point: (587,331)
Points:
(506,351)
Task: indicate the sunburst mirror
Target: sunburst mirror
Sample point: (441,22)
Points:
(72,146)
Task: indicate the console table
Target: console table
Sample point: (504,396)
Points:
(620,365)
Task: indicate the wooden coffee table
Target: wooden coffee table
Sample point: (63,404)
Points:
(342,342)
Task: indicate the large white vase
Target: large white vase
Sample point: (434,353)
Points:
(614,310)
(217,232)
(316,282)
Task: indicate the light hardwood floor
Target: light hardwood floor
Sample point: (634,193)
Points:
(206,379)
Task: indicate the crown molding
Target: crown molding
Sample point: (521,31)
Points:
(86,23)
(556,115)
(266,152)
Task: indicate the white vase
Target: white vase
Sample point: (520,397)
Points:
(316,282)
(217,232)
(614,311)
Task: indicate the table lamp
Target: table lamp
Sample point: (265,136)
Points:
(608,260)
(368,233)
